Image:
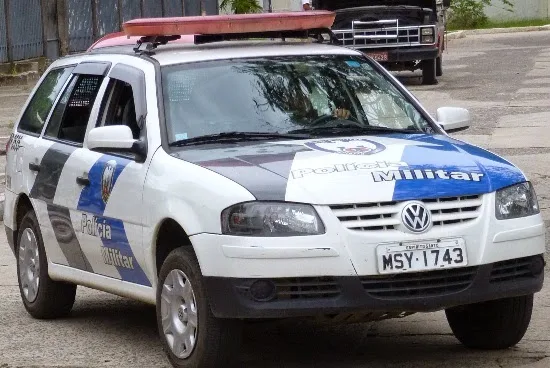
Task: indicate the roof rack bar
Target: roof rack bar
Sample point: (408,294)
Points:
(300,34)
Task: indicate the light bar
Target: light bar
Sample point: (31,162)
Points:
(230,24)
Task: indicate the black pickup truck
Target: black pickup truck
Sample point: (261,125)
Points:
(399,34)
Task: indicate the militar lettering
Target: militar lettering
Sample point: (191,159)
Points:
(394,175)
(112,256)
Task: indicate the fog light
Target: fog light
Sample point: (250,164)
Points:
(263,290)
(537,266)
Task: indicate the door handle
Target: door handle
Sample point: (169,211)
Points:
(81,180)
(34,167)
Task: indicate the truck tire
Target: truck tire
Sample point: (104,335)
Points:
(191,335)
(496,324)
(439,66)
(429,72)
(42,297)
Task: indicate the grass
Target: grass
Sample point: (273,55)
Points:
(506,24)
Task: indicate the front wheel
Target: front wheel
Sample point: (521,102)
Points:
(496,324)
(429,72)
(191,335)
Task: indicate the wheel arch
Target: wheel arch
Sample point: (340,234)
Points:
(169,235)
(22,205)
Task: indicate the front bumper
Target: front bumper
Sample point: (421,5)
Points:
(394,294)
(406,54)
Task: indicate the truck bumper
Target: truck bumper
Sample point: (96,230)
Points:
(406,54)
(392,294)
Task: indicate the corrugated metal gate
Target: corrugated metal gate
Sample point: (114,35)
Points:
(92,19)
(20,30)
(34,28)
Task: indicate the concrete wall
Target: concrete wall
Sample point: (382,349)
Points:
(523,9)
(286,5)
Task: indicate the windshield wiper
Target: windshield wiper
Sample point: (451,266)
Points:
(231,137)
(352,129)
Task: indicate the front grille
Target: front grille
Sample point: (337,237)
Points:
(514,269)
(387,215)
(378,34)
(299,288)
(419,284)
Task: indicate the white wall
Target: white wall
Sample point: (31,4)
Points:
(286,5)
(523,9)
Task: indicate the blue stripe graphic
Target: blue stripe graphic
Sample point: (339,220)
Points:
(444,156)
(116,250)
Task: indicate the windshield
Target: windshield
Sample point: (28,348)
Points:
(283,95)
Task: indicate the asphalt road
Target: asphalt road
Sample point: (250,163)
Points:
(505,82)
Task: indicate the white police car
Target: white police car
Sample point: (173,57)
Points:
(227,180)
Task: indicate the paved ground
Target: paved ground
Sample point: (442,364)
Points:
(505,82)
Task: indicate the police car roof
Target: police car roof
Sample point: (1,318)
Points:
(178,53)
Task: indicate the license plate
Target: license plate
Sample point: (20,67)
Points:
(421,256)
(378,56)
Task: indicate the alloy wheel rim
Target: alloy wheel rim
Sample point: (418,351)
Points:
(179,314)
(29,265)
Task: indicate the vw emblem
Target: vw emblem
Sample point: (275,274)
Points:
(416,217)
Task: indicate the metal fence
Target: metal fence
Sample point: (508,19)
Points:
(35,28)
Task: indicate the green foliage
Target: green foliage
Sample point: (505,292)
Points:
(241,6)
(468,14)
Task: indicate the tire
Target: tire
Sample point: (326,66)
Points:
(52,299)
(497,324)
(429,72)
(217,341)
(439,66)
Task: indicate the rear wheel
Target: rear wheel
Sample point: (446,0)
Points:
(497,324)
(429,72)
(42,297)
(191,335)
(439,66)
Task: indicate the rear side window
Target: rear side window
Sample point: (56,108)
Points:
(41,103)
(70,117)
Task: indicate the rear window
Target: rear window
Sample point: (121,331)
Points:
(41,103)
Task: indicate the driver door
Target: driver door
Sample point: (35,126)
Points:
(111,197)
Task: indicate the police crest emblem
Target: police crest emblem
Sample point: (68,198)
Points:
(107,180)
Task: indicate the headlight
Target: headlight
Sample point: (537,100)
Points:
(271,219)
(427,39)
(427,35)
(427,31)
(516,201)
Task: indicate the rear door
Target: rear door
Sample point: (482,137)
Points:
(23,148)
(55,161)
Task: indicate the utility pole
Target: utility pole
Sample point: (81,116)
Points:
(63,27)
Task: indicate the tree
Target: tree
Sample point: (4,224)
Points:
(241,6)
(466,14)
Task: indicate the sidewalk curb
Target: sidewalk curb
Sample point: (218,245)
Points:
(471,32)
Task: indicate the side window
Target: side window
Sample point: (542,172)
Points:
(119,107)
(70,117)
(39,107)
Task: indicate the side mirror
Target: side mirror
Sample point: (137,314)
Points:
(453,119)
(115,137)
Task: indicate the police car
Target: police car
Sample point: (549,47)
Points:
(256,170)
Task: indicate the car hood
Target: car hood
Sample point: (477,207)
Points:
(363,169)
(344,4)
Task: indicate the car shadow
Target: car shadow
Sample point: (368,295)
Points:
(289,343)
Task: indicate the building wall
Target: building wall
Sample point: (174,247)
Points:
(523,9)
(286,5)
